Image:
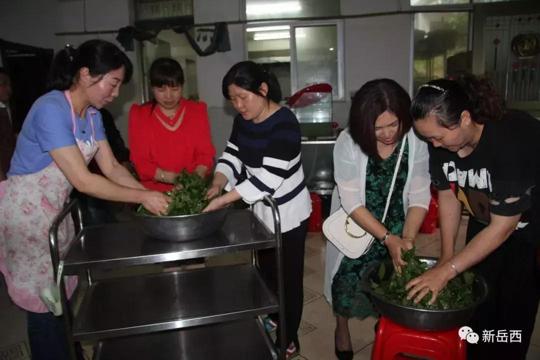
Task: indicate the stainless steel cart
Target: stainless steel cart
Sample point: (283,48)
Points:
(211,313)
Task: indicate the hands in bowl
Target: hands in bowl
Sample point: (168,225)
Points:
(155,202)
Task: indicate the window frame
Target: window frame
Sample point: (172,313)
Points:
(293,24)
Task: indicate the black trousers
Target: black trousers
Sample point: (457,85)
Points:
(512,276)
(293,267)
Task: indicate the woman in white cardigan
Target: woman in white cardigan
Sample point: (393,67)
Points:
(365,157)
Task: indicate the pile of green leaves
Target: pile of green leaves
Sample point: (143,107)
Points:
(188,196)
(457,294)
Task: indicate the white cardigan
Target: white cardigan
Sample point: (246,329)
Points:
(350,167)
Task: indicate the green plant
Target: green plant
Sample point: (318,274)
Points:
(457,294)
(187,197)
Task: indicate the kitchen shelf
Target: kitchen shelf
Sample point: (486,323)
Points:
(224,341)
(173,300)
(125,244)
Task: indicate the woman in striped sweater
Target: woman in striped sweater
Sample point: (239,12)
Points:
(263,158)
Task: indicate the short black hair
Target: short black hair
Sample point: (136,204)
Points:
(249,76)
(368,103)
(166,72)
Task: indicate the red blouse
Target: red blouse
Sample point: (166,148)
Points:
(153,146)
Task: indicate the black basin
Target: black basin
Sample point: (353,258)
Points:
(420,319)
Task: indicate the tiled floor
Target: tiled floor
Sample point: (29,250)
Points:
(317,328)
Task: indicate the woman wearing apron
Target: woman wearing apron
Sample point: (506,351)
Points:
(62,132)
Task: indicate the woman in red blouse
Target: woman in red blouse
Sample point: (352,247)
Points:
(169,133)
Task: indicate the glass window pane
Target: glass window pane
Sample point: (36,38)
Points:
(286,9)
(270,45)
(437,2)
(440,45)
(492,1)
(317,56)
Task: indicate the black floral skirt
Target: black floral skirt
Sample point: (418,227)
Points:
(348,299)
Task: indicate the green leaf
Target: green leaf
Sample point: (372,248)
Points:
(457,294)
(382,271)
(188,197)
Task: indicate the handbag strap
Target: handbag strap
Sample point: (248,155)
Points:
(396,169)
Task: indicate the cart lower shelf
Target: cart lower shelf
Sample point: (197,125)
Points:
(243,339)
(167,301)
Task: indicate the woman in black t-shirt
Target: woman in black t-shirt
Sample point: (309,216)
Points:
(484,158)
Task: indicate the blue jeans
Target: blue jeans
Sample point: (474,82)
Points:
(47,337)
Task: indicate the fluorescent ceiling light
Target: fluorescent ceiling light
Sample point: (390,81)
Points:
(272,8)
(274,35)
(268,28)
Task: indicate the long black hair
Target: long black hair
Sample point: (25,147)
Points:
(249,76)
(374,98)
(447,99)
(166,72)
(99,56)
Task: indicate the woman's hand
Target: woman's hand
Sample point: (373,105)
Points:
(156,202)
(213,191)
(433,280)
(216,203)
(396,246)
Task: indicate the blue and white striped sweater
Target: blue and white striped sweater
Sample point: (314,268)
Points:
(264,159)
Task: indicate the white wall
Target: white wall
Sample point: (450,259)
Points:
(211,69)
(374,46)
(371,52)
(209,11)
(29,22)
(36,23)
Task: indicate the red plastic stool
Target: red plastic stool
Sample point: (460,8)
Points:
(395,342)
(315,220)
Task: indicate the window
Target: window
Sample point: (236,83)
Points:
(299,54)
(440,45)
(437,2)
(287,9)
(453,2)
(492,1)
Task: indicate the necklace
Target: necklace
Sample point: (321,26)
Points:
(171,124)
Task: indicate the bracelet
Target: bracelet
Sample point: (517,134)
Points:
(453,266)
(385,237)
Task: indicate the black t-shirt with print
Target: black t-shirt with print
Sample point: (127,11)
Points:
(500,174)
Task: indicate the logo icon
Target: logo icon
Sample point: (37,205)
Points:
(472,338)
(467,333)
(463,331)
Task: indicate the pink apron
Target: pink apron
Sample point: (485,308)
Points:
(28,205)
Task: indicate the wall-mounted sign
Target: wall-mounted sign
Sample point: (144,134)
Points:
(161,9)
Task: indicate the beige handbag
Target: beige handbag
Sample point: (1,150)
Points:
(346,234)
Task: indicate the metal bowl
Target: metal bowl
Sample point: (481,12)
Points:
(421,319)
(182,227)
